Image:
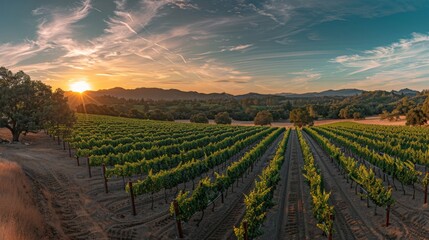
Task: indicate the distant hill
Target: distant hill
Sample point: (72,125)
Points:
(111,96)
(407,92)
(147,93)
(253,95)
(157,94)
(327,93)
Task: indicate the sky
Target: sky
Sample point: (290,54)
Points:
(232,46)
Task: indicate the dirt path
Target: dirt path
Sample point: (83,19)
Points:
(413,215)
(77,206)
(59,190)
(219,224)
(406,222)
(291,217)
(350,220)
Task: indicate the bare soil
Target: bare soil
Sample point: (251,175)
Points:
(354,217)
(291,217)
(77,207)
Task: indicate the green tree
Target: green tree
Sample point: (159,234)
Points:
(415,117)
(312,111)
(199,118)
(300,117)
(384,115)
(222,118)
(425,107)
(134,113)
(27,105)
(344,113)
(357,116)
(159,115)
(405,105)
(61,118)
(263,118)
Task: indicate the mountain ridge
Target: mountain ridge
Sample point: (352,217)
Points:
(175,94)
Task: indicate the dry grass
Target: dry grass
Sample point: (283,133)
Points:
(19,217)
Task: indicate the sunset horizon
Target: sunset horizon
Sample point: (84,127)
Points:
(239,93)
(235,47)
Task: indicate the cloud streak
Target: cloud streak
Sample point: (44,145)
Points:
(201,44)
(402,62)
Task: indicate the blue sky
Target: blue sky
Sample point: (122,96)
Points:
(219,46)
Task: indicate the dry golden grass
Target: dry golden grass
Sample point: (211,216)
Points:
(19,217)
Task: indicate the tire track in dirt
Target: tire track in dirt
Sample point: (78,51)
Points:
(348,223)
(75,221)
(152,221)
(222,221)
(291,223)
(412,220)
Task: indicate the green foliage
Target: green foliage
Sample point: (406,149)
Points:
(416,116)
(189,170)
(199,118)
(222,118)
(190,205)
(159,115)
(374,187)
(263,118)
(405,143)
(322,210)
(425,179)
(353,111)
(425,107)
(402,170)
(259,200)
(138,162)
(300,117)
(404,106)
(27,105)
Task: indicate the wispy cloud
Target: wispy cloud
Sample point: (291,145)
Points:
(56,25)
(401,62)
(303,78)
(238,47)
(140,43)
(55,30)
(296,16)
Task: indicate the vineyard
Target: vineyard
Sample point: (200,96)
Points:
(165,180)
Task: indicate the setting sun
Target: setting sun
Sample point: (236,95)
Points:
(80,86)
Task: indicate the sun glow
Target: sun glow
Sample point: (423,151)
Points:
(80,86)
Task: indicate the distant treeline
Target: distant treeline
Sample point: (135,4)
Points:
(357,107)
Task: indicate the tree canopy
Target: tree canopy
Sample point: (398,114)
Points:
(416,116)
(425,107)
(300,117)
(27,105)
(222,118)
(263,118)
(199,118)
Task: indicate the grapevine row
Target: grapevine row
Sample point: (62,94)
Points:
(365,177)
(416,152)
(183,142)
(322,210)
(148,154)
(130,167)
(259,200)
(207,191)
(167,179)
(403,171)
